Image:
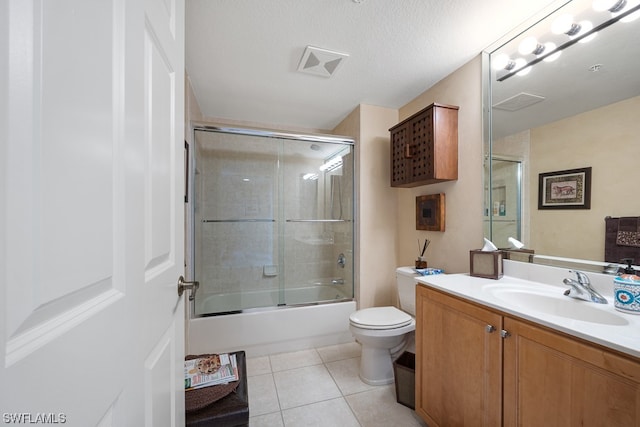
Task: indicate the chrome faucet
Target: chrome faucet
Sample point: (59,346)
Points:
(582,289)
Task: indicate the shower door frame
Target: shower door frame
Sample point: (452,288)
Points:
(190,207)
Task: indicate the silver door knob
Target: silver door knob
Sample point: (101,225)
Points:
(490,328)
(182,286)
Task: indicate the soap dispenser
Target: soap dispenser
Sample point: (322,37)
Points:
(626,289)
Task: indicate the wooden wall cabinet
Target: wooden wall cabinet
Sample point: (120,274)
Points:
(424,147)
(500,370)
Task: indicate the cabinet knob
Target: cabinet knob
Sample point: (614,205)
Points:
(504,334)
(490,328)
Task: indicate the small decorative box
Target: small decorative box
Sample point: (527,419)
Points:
(485,264)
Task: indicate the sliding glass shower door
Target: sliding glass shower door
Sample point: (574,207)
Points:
(273,220)
(318,221)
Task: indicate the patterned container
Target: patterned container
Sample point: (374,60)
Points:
(626,293)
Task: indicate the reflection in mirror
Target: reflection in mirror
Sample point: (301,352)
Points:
(575,106)
(506,199)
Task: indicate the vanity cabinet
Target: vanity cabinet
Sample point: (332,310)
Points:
(458,362)
(424,147)
(553,379)
(477,366)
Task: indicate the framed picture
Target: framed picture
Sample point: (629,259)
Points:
(430,212)
(568,189)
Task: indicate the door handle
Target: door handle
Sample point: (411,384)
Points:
(182,286)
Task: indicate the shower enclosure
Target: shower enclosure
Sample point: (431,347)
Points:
(503,202)
(272,220)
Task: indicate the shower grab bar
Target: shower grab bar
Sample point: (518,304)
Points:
(318,220)
(238,220)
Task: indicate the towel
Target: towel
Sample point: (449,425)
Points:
(628,232)
(429,271)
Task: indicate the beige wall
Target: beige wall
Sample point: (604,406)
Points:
(376,210)
(449,249)
(605,139)
(192,109)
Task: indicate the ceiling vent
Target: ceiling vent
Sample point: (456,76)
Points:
(321,62)
(518,102)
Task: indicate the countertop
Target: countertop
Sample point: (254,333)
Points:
(621,337)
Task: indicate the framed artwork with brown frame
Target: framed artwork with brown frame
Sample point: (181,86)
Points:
(430,212)
(566,189)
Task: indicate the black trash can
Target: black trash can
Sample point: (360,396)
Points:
(404,370)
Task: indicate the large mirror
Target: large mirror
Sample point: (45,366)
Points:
(563,148)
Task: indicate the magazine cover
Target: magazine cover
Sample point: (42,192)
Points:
(210,370)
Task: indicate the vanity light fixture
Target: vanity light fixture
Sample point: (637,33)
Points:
(521,66)
(587,26)
(530,45)
(564,25)
(628,18)
(548,53)
(503,62)
(610,5)
(551,46)
(616,7)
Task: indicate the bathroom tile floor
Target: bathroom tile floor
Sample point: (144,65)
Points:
(320,387)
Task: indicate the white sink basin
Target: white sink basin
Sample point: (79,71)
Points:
(551,300)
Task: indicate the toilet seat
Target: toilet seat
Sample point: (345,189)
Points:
(380,318)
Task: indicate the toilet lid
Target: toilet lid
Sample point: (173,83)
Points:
(380,318)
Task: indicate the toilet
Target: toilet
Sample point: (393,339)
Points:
(385,332)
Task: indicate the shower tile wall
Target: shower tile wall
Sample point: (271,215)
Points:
(232,255)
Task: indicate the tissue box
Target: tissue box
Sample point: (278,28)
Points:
(485,264)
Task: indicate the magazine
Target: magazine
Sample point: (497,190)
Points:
(210,370)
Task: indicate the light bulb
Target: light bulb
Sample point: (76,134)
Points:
(562,24)
(520,62)
(610,5)
(528,45)
(549,47)
(586,26)
(500,61)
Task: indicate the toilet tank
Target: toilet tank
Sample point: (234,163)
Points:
(406,283)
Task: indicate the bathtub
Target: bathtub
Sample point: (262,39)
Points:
(275,329)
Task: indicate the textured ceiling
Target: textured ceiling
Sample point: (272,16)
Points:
(242,56)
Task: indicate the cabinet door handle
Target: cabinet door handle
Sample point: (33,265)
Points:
(407,151)
(505,334)
(490,328)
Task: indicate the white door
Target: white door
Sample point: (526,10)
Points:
(91,191)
